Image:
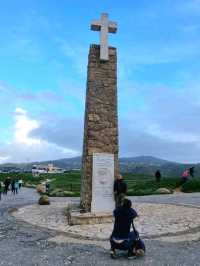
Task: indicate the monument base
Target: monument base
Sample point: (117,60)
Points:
(77,218)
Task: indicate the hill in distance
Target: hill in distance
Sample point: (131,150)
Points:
(141,165)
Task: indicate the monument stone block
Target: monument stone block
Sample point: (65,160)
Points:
(101,120)
(100,146)
(102,183)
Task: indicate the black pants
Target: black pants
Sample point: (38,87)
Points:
(127,244)
(5,190)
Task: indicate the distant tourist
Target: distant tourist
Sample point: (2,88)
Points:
(0,189)
(158,176)
(120,190)
(16,187)
(7,182)
(185,176)
(47,185)
(20,183)
(191,170)
(13,186)
(122,237)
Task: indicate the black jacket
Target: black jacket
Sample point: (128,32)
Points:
(120,186)
(123,219)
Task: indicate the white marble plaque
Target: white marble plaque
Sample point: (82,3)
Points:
(102,183)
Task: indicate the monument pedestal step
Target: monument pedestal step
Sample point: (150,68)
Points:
(77,218)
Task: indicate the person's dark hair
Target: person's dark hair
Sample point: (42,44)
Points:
(127,204)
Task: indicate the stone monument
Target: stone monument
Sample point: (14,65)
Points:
(100,146)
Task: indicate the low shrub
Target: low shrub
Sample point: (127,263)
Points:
(192,185)
(140,192)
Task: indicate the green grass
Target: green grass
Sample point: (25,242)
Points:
(70,181)
(193,185)
(146,185)
(137,184)
(67,182)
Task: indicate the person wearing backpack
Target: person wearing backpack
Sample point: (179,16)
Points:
(122,237)
(185,176)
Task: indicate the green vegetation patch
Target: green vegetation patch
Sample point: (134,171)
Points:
(193,185)
(141,185)
(61,185)
(69,184)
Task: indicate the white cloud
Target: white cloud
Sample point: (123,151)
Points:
(24,147)
(20,111)
(66,133)
(4,158)
(166,123)
(23,126)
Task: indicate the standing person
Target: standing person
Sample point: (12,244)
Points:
(158,175)
(0,189)
(191,170)
(47,185)
(185,176)
(6,184)
(16,187)
(122,237)
(20,183)
(120,190)
(13,186)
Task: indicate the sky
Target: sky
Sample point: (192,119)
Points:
(43,65)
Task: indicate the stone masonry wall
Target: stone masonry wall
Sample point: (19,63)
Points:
(101,120)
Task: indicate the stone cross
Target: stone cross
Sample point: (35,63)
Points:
(104,26)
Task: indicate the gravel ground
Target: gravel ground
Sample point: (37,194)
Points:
(170,221)
(25,244)
(185,199)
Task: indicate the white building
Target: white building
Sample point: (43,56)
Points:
(49,168)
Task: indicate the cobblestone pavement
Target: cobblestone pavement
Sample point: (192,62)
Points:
(170,221)
(25,244)
(186,199)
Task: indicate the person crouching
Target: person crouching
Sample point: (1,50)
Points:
(122,237)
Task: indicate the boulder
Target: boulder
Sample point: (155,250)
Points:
(41,188)
(44,200)
(163,190)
